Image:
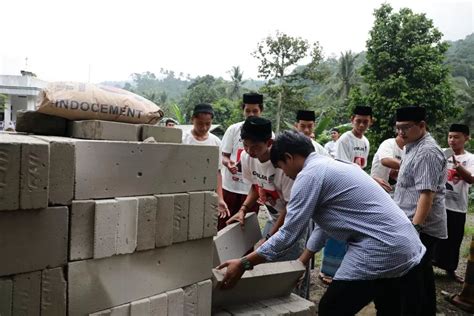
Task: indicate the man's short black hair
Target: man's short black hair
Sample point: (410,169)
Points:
(291,142)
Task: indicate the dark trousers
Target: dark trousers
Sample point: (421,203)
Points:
(446,254)
(234,202)
(428,302)
(344,298)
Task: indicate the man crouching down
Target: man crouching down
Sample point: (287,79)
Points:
(384,249)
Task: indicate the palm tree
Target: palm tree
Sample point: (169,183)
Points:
(236,85)
(346,73)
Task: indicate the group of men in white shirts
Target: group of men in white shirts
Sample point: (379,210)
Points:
(247,177)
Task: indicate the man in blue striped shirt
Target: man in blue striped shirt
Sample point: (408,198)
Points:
(383,252)
(420,190)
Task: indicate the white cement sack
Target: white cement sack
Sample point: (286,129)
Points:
(82,101)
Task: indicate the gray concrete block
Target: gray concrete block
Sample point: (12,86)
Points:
(106,312)
(244,310)
(234,241)
(53,292)
(26,294)
(196,215)
(10,163)
(6,293)
(277,305)
(180,217)
(175,302)
(146,229)
(204,297)
(210,214)
(104,130)
(164,220)
(61,169)
(191,300)
(33,239)
(122,310)
(135,169)
(98,284)
(161,134)
(41,124)
(159,305)
(82,230)
(34,174)
(140,307)
(221,313)
(127,225)
(301,302)
(106,220)
(265,281)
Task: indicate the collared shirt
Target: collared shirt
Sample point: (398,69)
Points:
(330,146)
(348,205)
(423,167)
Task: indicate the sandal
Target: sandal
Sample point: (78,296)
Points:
(324,278)
(456,300)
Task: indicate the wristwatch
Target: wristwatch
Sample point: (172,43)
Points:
(418,228)
(246,264)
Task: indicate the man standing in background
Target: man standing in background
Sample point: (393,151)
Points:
(420,192)
(330,146)
(386,163)
(305,121)
(235,190)
(460,178)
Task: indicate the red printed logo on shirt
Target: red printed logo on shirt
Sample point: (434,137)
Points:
(453,176)
(359,161)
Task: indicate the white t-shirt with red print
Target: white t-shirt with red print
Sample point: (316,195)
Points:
(353,149)
(272,180)
(457,189)
(232,144)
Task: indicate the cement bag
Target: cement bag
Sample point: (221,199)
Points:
(82,101)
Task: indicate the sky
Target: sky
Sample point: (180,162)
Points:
(109,40)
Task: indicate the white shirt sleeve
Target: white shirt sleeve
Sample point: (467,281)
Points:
(286,184)
(246,172)
(227,140)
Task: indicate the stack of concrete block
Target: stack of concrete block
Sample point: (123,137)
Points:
(264,290)
(94,225)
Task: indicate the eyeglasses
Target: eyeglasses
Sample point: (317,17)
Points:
(404,128)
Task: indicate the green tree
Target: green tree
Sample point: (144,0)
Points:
(405,67)
(346,73)
(278,57)
(236,76)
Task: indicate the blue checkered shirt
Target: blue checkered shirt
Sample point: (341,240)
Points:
(348,205)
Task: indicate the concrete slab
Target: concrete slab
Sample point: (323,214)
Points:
(34,174)
(210,214)
(175,302)
(26,294)
(146,229)
(180,217)
(53,292)
(164,220)
(6,293)
(104,130)
(40,124)
(116,169)
(159,305)
(106,312)
(204,297)
(122,310)
(106,221)
(234,241)
(82,230)
(161,134)
(191,299)
(301,302)
(33,239)
(265,281)
(61,169)
(98,284)
(244,310)
(140,307)
(277,305)
(294,307)
(10,163)
(196,215)
(127,225)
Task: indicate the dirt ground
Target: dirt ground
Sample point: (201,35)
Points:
(443,283)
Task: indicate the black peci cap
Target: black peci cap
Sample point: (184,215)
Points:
(411,113)
(305,115)
(459,128)
(252,98)
(257,129)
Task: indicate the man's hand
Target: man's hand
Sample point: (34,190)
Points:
(234,272)
(393,174)
(238,217)
(383,184)
(222,209)
(231,166)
